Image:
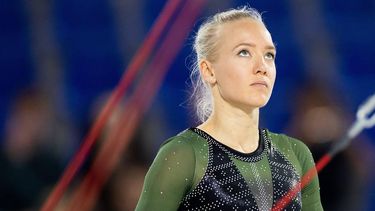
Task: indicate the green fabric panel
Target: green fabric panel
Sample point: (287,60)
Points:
(182,161)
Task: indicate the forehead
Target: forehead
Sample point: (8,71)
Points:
(244,30)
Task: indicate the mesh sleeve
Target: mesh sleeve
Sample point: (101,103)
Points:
(169,177)
(311,192)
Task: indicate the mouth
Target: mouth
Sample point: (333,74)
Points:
(260,83)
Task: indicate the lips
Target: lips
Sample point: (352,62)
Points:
(259,83)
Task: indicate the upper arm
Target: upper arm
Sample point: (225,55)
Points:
(169,177)
(311,192)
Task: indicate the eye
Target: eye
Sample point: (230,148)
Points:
(244,53)
(269,55)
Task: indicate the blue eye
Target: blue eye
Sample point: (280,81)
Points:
(244,53)
(269,55)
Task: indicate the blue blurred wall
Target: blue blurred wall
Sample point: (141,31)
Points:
(93,60)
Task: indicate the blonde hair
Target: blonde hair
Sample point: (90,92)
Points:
(205,47)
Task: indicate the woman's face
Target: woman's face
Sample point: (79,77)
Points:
(244,68)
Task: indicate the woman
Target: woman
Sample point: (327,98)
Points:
(227,162)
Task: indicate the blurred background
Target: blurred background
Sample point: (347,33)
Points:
(61,59)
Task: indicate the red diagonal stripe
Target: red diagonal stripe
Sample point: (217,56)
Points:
(128,76)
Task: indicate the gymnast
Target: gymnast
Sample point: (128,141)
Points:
(227,162)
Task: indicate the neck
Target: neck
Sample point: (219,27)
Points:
(234,128)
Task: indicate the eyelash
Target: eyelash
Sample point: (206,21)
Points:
(272,54)
(244,51)
(248,53)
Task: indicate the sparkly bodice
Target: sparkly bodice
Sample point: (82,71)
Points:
(193,171)
(224,188)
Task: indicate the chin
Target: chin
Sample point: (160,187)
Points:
(262,105)
(259,105)
(253,105)
(259,102)
(252,102)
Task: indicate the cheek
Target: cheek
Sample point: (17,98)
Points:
(226,72)
(238,70)
(273,73)
(272,76)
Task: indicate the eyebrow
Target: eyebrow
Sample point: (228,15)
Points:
(268,47)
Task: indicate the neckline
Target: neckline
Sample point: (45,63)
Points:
(251,156)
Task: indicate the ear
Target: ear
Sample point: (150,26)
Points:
(207,72)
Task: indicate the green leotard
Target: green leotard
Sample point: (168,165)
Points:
(180,178)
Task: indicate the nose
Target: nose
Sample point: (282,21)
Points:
(260,66)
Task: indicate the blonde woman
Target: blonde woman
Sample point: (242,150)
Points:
(227,162)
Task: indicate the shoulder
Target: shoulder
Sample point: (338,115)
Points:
(182,139)
(182,143)
(286,142)
(295,150)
